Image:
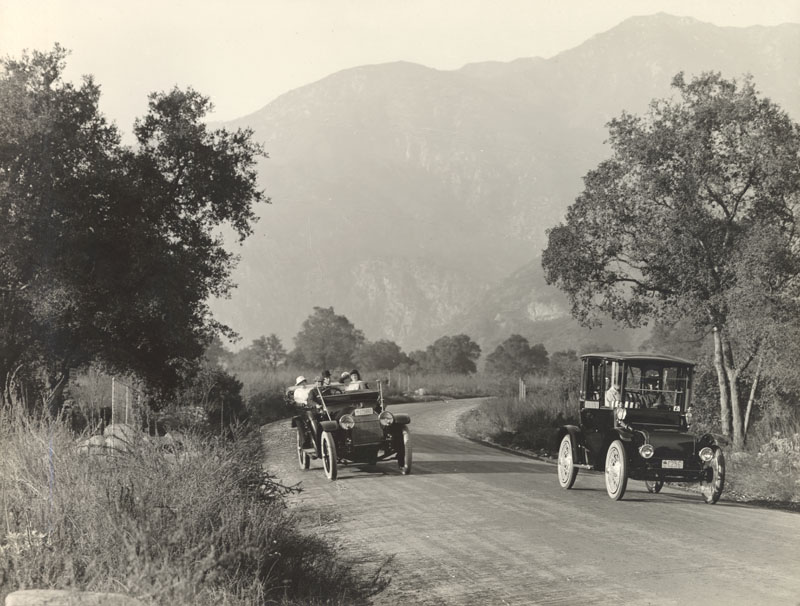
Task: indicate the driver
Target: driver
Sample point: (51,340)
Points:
(612,393)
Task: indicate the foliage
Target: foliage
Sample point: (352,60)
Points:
(109,253)
(328,340)
(697,194)
(456,354)
(264,353)
(380,355)
(515,357)
(218,393)
(203,524)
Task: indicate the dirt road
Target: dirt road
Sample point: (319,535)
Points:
(473,525)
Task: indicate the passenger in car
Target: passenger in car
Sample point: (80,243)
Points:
(355,382)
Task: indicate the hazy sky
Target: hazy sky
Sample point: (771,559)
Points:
(244,53)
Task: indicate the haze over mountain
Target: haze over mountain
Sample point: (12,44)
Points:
(415,201)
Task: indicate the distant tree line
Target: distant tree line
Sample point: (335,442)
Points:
(328,340)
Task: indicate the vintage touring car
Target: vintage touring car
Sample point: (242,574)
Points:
(347,427)
(635,423)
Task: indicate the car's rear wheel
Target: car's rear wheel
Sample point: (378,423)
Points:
(329,456)
(302,457)
(616,470)
(567,472)
(404,455)
(714,480)
(654,486)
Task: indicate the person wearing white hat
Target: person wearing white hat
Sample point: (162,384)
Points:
(301,390)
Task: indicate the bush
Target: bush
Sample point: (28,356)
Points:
(530,424)
(204,525)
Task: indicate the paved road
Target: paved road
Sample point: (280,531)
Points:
(474,525)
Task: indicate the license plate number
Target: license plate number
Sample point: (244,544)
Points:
(363,411)
(668,464)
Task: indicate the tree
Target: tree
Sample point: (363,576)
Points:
(667,227)
(328,340)
(380,355)
(109,253)
(456,354)
(269,351)
(516,357)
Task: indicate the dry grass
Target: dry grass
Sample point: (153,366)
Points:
(203,525)
(530,424)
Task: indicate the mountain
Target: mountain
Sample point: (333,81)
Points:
(406,197)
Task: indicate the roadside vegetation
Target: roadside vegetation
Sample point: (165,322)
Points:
(192,522)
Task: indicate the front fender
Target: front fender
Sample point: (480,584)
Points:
(329,425)
(712,439)
(401,418)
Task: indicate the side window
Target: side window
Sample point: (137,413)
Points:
(593,380)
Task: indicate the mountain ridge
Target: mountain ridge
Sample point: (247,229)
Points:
(404,196)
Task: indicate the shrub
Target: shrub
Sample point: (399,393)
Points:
(204,525)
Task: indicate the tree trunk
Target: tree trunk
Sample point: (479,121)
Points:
(732,374)
(724,401)
(752,398)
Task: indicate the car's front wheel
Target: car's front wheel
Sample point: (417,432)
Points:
(567,472)
(329,456)
(714,480)
(405,454)
(654,486)
(302,457)
(616,470)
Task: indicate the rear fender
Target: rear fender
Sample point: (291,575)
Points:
(577,440)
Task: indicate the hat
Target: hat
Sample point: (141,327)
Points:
(345,375)
(355,372)
(300,379)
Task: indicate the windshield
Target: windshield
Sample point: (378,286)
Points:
(656,385)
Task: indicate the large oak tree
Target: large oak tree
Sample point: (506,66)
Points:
(108,252)
(694,215)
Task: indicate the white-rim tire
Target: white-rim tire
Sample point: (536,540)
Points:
(712,487)
(302,457)
(404,461)
(567,472)
(616,470)
(329,456)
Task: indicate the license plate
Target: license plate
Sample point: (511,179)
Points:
(668,464)
(363,411)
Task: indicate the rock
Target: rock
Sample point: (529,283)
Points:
(59,597)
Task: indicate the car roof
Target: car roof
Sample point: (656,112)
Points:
(638,356)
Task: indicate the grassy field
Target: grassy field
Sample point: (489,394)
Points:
(196,524)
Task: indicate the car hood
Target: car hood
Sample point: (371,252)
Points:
(671,444)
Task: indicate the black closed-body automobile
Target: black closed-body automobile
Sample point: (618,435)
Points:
(350,427)
(635,423)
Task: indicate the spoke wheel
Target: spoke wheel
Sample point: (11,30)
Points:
(654,486)
(329,456)
(404,456)
(567,472)
(302,457)
(714,482)
(616,470)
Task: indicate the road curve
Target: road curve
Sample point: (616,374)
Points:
(474,525)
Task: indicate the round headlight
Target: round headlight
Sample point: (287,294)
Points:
(706,454)
(347,422)
(647,451)
(621,413)
(386,418)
